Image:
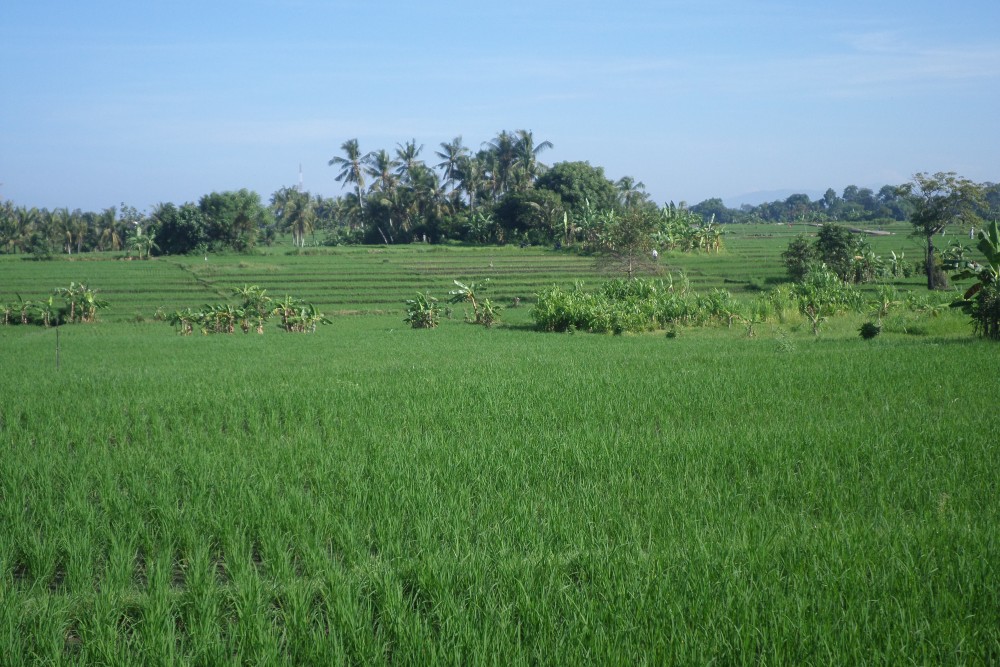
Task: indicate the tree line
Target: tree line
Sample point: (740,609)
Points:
(892,203)
(498,193)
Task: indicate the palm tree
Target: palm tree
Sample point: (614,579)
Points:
(294,210)
(428,195)
(502,152)
(109,234)
(630,192)
(471,177)
(10,227)
(452,153)
(77,229)
(383,170)
(526,167)
(59,223)
(352,169)
(406,158)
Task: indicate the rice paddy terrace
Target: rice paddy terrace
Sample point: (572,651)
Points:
(357,280)
(372,494)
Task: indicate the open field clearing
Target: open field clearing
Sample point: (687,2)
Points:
(374,494)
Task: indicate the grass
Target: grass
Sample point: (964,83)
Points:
(373,494)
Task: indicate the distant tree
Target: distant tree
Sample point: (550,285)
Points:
(294,210)
(940,200)
(234,219)
(714,209)
(579,184)
(797,207)
(178,231)
(798,256)
(835,248)
(536,213)
(831,202)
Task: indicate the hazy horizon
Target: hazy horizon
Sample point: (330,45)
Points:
(154,102)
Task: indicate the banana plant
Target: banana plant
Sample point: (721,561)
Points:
(286,309)
(184,321)
(256,308)
(23,308)
(90,304)
(47,310)
(308,318)
(982,300)
(71,295)
(422,312)
(988,273)
(484,313)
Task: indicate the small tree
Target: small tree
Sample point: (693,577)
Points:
(941,200)
(627,242)
(820,295)
(797,257)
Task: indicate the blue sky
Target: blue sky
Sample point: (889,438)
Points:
(109,102)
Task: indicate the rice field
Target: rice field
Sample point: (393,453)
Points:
(372,494)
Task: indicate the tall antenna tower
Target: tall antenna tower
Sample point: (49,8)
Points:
(300,178)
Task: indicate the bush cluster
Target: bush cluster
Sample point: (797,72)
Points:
(630,305)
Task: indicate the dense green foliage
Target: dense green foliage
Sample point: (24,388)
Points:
(850,256)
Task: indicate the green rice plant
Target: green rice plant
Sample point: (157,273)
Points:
(272,516)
